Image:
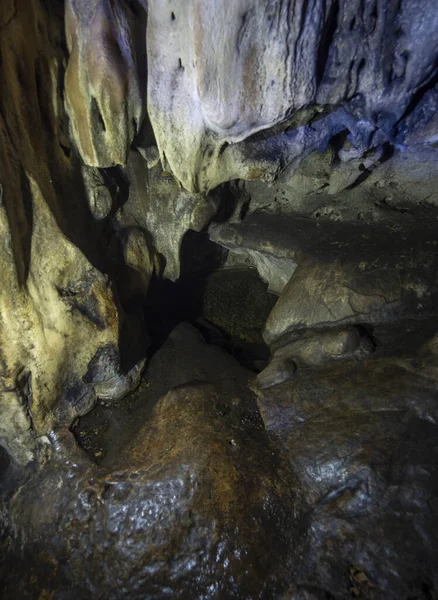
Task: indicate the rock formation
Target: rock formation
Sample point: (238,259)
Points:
(218,317)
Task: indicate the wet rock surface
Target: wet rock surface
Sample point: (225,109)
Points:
(323,487)
(361,438)
(272,448)
(184,357)
(195,506)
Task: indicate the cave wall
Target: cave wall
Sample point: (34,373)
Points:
(220,74)
(58,307)
(120,118)
(323,109)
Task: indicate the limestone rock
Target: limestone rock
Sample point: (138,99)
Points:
(360,438)
(332,294)
(219,74)
(197,507)
(110,427)
(247,91)
(164,211)
(253,241)
(370,277)
(278,371)
(325,485)
(105,78)
(98,194)
(397,189)
(58,307)
(308,348)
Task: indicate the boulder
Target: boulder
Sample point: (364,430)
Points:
(360,437)
(367,277)
(200,504)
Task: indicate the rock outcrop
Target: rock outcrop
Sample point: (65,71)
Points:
(60,315)
(105,78)
(221,75)
(360,439)
(197,504)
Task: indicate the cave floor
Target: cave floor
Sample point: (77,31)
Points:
(226,310)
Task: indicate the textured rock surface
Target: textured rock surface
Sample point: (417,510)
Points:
(108,429)
(58,306)
(250,90)
(368,276)
(164,211)
(200,502)
(361,440)
(104,81)
(318,119)
(375,58)
(198,507)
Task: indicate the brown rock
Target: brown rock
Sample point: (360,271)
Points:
(57,307)
(103,81)
(201,505)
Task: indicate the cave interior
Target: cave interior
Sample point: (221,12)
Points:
(219,299)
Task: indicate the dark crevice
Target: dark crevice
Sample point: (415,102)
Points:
(388,151)
(96,115)
(360,68)
(196,296)
(416,98)
(66,151)
(228,194)
(135,127)
(244,208)
(372,17)
(118,186)
(135,7)
(427,590)
(327,37)
(337,142)
(362,177)
(304,7)
(127,282)
(366,334)
(169,303)
(21,75)
(42,75)
(139,26)
(5,462)
(222,148)
(241,32)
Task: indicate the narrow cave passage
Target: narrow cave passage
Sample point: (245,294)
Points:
(223,307)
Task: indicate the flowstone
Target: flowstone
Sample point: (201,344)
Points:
(218,311)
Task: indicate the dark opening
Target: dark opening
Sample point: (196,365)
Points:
(5,461)
(96,115)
